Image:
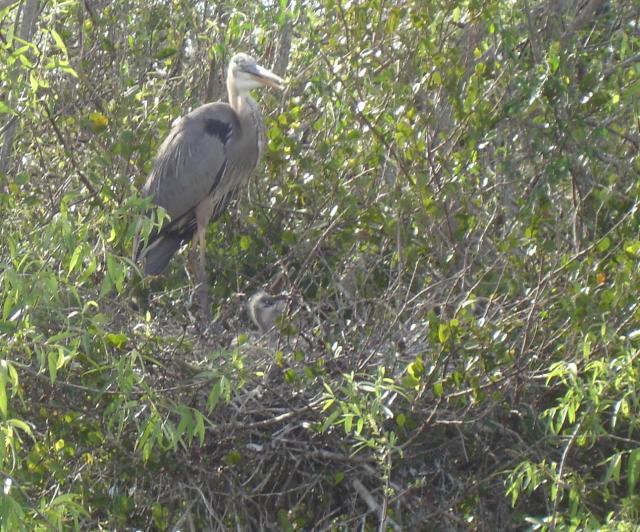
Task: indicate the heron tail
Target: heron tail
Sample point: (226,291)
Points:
(158,248)
(158,254)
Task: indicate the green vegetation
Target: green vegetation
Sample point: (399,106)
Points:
(449,197)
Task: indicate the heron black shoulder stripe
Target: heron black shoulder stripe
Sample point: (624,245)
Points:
(217,128)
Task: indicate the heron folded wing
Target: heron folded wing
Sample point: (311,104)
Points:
(191,161)
(190,165)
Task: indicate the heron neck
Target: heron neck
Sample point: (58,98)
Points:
(236,97)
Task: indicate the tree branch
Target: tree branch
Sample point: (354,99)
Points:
(83,177)
(7,3)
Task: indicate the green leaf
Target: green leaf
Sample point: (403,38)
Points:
(146,440)
(416,369)
(444,333)
(613,471)
(107,286)
(52,359)
(3,388)
(186,422)
(199,429)
(330,420)
(348,420)
(553,57)
(233,457)
(59,41)
(99,122)
(13,515)
(75,257)
(34,81)
(5,109)
(604,244)
(19,424)
(290,376)
(117,340)
(116,272)
(214,396)
(633,470)
(632,247)
(166,52)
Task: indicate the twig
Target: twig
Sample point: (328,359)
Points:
(563,461)
(371,502)
(9,123)
(69,153)
(32,504)
(533,37)
(7,3)
(622,64)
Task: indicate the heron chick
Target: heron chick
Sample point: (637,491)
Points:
(201,165)
(264,310)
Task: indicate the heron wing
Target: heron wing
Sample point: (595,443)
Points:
(192,163)
(193,158)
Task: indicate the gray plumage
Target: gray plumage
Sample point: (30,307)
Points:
(264,310)
(204,161)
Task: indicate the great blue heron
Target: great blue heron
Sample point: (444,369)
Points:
(201,165)
(264,310)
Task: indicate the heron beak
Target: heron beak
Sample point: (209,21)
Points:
(266,77)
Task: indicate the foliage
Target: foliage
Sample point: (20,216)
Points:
(450,199)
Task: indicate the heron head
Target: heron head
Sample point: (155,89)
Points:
(246,74)
(265,309)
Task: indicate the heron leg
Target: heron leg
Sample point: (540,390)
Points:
(203,214)
(203,281)
(193,257)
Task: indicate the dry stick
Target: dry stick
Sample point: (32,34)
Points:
(7,3)
(623,64)
(9,124)
(594,245)
(365,494)
(565,453)
(586,15)
(320,241)
(69,154)
(284,49)
(533,36)
(385,500)
(185,514)
(25,32)
(422,427)
(538,290)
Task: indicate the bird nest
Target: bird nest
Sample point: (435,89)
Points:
(276,449)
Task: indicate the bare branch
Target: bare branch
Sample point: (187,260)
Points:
(29,12)
(7,3)
(83,177)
